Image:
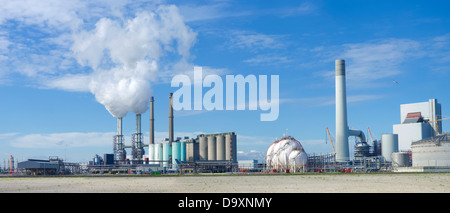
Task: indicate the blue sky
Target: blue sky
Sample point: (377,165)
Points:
(54,61)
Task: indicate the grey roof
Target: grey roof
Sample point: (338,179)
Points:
(38,164)
(413,120)
(439,138)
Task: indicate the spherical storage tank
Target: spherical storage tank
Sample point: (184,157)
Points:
(287,153)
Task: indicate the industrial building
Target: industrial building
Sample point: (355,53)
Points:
(418,121)
(205,153)
(432,152)
(52,166)
(416,144)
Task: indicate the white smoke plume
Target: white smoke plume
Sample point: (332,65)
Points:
(126,56)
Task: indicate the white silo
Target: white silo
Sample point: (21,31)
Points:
(212,147)
(389,145)
(220,147)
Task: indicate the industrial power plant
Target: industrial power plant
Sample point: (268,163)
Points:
(417,144)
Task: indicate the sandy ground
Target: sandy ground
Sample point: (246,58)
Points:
(303,183)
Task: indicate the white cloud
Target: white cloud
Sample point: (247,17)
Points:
(254,41)
(268,60)
(58,140)
(208,12)
(69,82)
(369,62)
(377,60)
(53,13)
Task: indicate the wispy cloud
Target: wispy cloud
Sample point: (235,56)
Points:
(369,62)
(57,140)
(268,60)
(330,100)
(213,11)
(254,41)
(305,8)
(74,139)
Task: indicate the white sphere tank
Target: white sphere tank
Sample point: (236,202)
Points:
(287,153)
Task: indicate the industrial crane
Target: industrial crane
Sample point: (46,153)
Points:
(437,126)
(331,140)
(370,134)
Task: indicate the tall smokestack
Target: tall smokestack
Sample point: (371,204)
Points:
(152,122)
(342,149)
(138,145)
(138,123)
(119,130)
(119,148)
(170,119)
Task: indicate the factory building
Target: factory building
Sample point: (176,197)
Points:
(432,152)
(418,121)
(206,152)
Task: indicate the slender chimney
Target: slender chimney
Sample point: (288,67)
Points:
(342,133)
(170,119)
(152,122)
(138,124)
(119,130)
(119,126)
(118,150)
(138,144)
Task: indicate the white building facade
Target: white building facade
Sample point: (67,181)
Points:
(418,121)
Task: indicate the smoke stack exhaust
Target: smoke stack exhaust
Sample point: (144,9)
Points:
(342,149)
(170,119)
(152,122)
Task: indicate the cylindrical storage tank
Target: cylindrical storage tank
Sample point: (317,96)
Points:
(220,143)
(400,159)
(167,153)
(160,151)
(228,142)
(151,153)
(182,151)
(203,147)
(157,152)
(212,147)
(234,147)
(389,145)
(176,153)
(230,147)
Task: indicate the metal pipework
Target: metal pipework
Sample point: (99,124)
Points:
(170,119)
(152,122)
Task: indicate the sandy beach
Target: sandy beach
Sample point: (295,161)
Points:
(299,183)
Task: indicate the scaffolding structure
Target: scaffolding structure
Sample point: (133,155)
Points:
(322,163)
(119,149)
